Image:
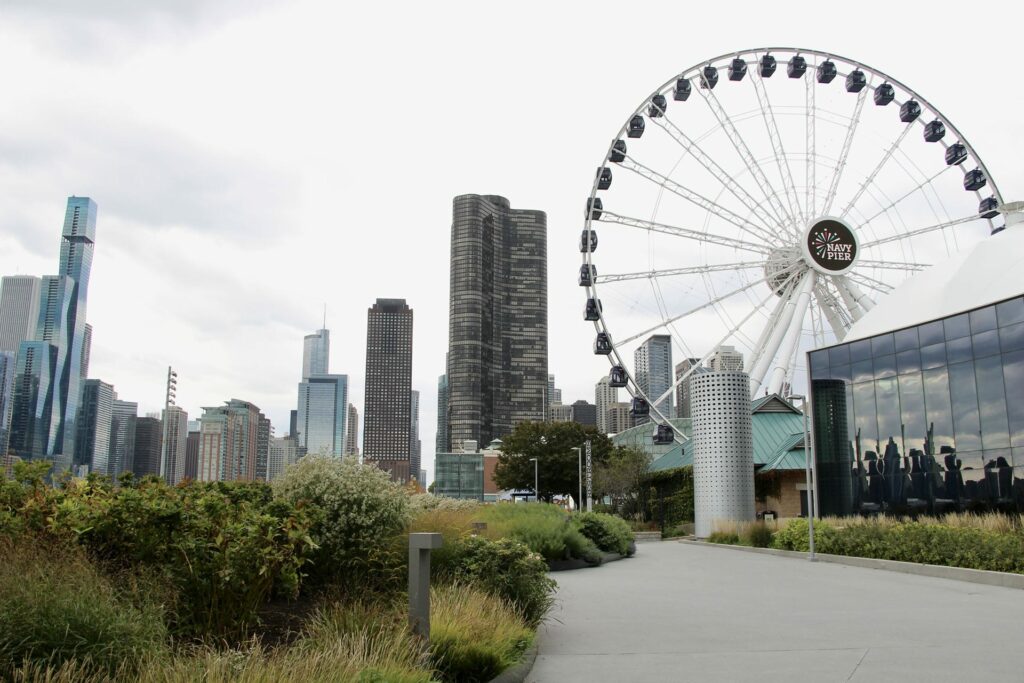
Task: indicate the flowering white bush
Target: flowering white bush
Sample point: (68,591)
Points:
(357,507)
(422,502)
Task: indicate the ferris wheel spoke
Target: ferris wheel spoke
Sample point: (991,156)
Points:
(922,231)
(870,282)
(692,270)
(795,310)
(874,173)
(697,199)
(696,235)
(756,172)
(781,160)
(832,310)
(692,148)
(892,265)
(845,153)
(857,302)
(811,160)
(920,187)
(708,304)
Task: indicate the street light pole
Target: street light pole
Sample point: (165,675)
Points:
(807,474)
(536,488)
(579,459)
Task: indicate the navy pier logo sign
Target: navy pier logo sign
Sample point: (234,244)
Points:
(831,246)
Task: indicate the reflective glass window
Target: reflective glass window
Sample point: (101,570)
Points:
(840,372)
(882,345)
(999,475)
(864,413)
(915,424)
(958,350)
(931,333)
(1010,312)
(887,402)
(972,471)
(1013,376)
(938,408)
(905,339)
(885,366)
(839,355)
(933,356)
(863,370)
(1011,337)
(819,362)
(964,395)
(983,319)
(985,343)
(992,402)
(908,361)
(957,326)
(860,350)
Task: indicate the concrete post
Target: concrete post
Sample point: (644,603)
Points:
(420,546)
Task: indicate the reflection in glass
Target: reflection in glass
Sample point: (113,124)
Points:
(992,402)
(863,370)
(860,350)
(959,350)
(1013,374)
(931,333)
(839,355)
(882,345)
(864,413)
(964,394)
(908,361)
(938,408)
(839,372)
(905,339)
(983,319)
(887,400)
(933,356)
(1010,312)
(957,326)
(885,366)
(819,361)
(915,428)
(985,343)
(1011,337)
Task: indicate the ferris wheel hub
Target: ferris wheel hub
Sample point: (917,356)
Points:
(829,245)
(779,266)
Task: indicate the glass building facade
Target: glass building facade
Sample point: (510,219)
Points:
(925,419)
(459,475)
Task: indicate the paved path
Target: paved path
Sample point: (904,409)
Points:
(679,612)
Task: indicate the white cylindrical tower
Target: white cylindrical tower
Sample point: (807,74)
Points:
(723,450)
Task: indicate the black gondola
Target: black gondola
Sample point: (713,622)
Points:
(617,377)
(797,67)
(587,275)
(594,207)
(602,344)
(989,207)
(664,434)
(934,131)
(588,241)
(884,94)
(593,310)
(856,81)
(910,111)
(974,180)
(767,65)
(737,70)
(658,106)
(682,90)
(956,154)
(709,78)
(639,407)
(826,71)
(604,178)
(636,126)
(618,153)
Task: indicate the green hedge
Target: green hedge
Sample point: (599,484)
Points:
(610,534)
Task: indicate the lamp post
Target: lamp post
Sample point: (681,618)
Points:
(579,458)
(536,489)
(807,469)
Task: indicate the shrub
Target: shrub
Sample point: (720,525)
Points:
(724,537)
(473,636)
(56,607)
(422,502)
(506,568)
(759,535)
(359,511)
(610,534)
(546,529)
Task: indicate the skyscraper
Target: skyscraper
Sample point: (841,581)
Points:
(123,416)
(323,413)
(414,434)
(86,351)
(498,323)
(653,371)
(19,310)
(619,418)
(584,413)
(554,393)
(7,365)
(175,440)
(192,450)
(316,353)
(683,403)
(48,380)
(352,432)
(388,402)
(283,452)
(231,437)
(604,396)
(726,359)
(441,443)
(146,461)
(92,443)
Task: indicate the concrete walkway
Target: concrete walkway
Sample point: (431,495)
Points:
(679,612)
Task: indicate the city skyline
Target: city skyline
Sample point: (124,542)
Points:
(214,215)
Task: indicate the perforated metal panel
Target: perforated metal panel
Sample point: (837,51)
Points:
(723,454)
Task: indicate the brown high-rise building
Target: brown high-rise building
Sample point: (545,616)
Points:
(498,319)
(387,406)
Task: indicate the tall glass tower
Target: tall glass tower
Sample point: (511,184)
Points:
(323,412)
(48,376)
(653,371)
(316,353)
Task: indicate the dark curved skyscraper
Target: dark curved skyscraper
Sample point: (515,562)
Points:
(498,319)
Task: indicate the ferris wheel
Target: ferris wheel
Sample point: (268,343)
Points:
(765,199)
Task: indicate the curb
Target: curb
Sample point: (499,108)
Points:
(980,576)
(519,672)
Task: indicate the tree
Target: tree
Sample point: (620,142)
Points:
(621,477)
(557,464)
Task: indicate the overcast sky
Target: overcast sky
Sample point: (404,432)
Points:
(255,161)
